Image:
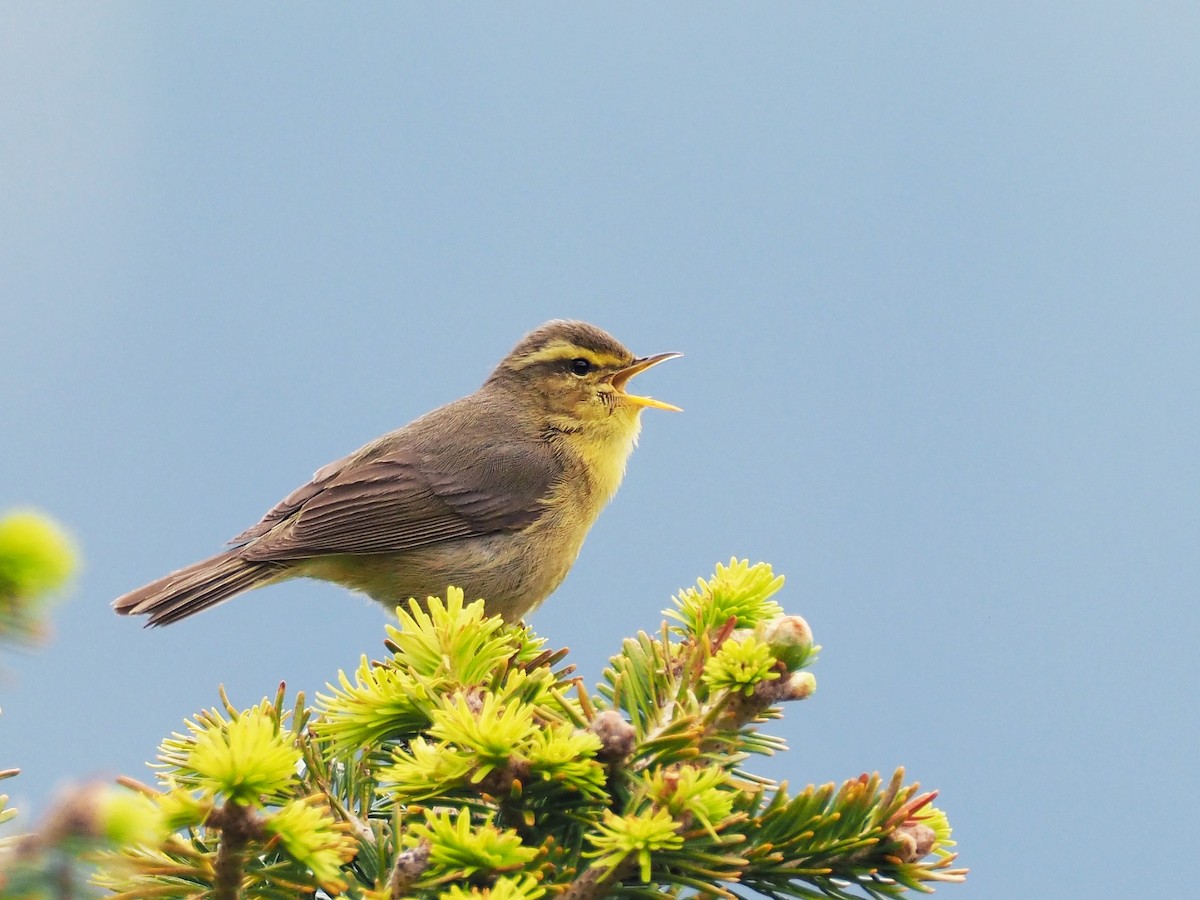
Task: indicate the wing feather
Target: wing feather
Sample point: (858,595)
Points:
(398,499)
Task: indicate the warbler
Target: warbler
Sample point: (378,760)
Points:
(493,493)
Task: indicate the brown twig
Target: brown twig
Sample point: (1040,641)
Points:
(238,826)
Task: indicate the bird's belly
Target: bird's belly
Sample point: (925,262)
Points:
(513,573)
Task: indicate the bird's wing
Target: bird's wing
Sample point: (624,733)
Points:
(401,499)
(293,501)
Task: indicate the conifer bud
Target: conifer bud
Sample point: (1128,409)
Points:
(912,841)
(798,686)
(616,736)
(789,638)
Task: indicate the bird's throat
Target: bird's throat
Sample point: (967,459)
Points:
(604,454)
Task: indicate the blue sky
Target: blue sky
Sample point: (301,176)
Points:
(934,269)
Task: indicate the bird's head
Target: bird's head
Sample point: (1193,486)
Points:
(574,376)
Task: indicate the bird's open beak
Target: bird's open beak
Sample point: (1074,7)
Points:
(640,365)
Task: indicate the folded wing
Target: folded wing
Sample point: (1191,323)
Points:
(400,499)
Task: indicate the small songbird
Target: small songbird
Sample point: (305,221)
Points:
(493,493)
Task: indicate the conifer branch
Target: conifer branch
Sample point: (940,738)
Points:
(470,762)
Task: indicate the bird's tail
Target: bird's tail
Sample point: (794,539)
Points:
(196,587)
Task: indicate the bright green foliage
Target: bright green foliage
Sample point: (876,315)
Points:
(525,887)
(253,822)
(738,591)
(37,558)
(460,848)
(126,817)
(312,836)
(93,819)
(450,647)
(740,665)
(183,809)
(689,792)
(243,759)
(466,765)
(635,836)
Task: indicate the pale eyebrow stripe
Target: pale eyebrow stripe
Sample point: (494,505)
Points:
(560,349)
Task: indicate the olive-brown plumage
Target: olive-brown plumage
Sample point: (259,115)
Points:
(493,493)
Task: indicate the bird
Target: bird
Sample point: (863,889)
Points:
(493,493)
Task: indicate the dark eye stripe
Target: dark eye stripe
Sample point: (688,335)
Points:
(580,366)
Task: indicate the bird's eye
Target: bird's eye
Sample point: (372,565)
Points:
(580,366)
